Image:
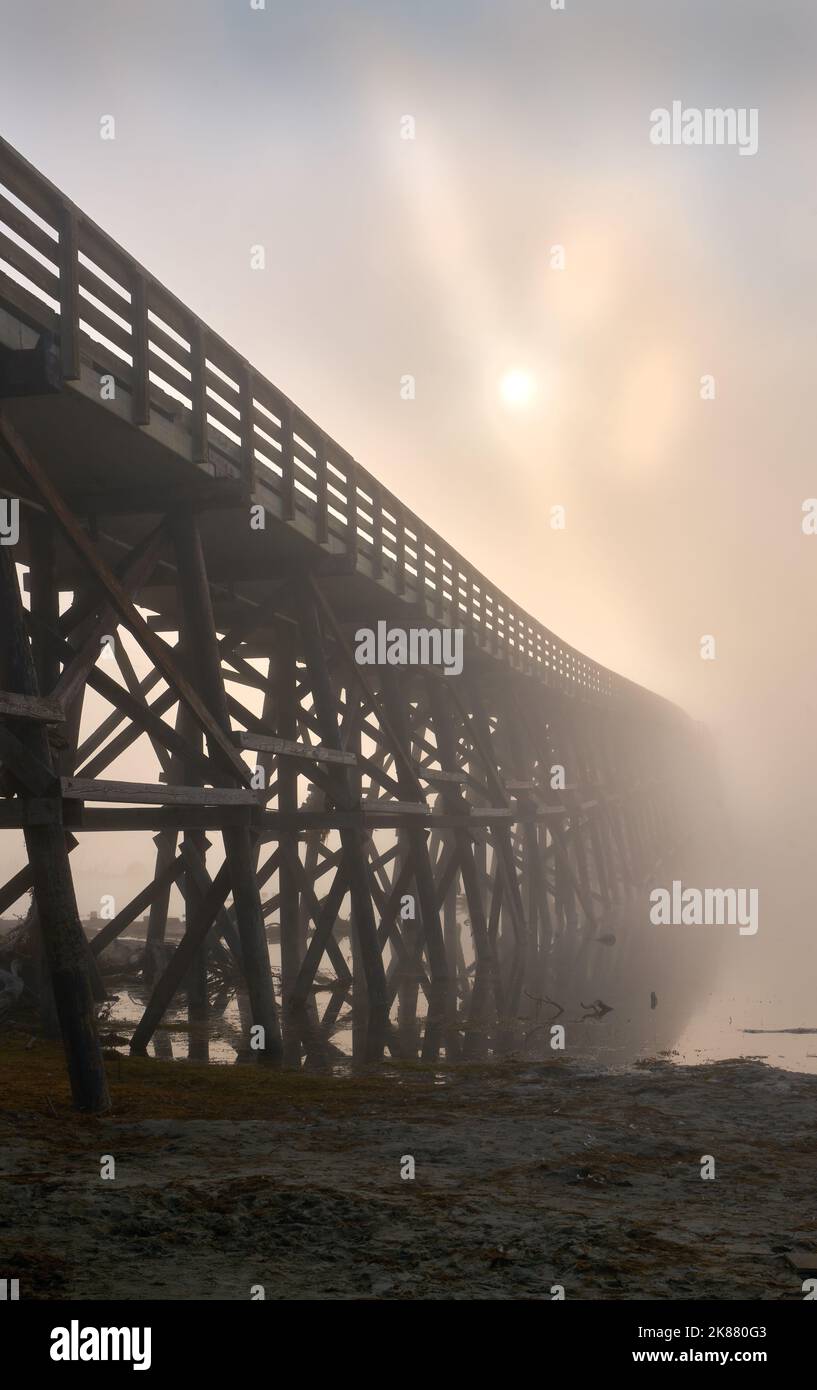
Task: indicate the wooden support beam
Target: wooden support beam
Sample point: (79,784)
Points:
(326,710)
(165,843)
(315,909)
(196,879)
(169,982)
(35,707)
(200,634)
(439,775)
(36,776)
(158,794)
(314,871)
(141,565)
(209,494)
(112,721)
(154,647)
(401,754)
(62,934)
(144,717)
(21,882)
(290,748)
(270,825)
(284,700)
(194,855)
(486,979)
(133,684)
(375,806)
(168,875)
(430,925)
(318,942)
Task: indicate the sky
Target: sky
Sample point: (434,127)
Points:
(433,257)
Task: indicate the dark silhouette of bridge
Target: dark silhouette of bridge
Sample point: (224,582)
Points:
(153,466)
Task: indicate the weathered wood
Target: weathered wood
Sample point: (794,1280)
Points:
(522,862)
(284,698)
(160,794)
(196,880)
(45,606)
(133,684)
(35,707)
(431,774)
(326,711)
(318,942)
(486,978)
(21,882)
(290,748)
(112,721)
(374,806)
(168,875)
(201,633)
(357,672)
(155,648)
(63,938)
(144,718)
(141,565)
(140,382)
(36,776)
(165,843)
(314,909)
(194,854)
(430,924)
(68,260)
(169,982)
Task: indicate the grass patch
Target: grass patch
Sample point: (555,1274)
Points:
(35,1082)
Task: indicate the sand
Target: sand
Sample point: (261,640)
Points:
(527,1176)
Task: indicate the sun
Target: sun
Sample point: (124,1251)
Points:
(517,388)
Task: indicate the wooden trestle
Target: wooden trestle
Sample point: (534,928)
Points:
(391,795)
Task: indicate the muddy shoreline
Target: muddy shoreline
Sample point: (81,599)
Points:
(527,1175)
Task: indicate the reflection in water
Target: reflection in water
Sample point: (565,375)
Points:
(658,991)
(336,1036)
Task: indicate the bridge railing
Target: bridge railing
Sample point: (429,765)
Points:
(61,272)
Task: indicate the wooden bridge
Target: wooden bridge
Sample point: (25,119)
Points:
(153,466)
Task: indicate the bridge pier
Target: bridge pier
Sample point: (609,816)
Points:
(28,761)
(201,646)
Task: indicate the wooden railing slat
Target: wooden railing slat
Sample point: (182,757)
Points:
(69,293)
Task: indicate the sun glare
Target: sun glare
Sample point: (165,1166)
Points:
(517,388)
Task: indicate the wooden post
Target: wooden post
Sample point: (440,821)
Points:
(417,844)
(326,711)
(165,843)
(201,630)
(486,981)
(63,937)
(196,843)
(45,604)
(283,670)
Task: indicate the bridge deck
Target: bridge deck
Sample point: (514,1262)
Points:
(187,404)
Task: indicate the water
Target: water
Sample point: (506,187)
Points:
(713,1030)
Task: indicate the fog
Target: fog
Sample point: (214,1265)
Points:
(433,257)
